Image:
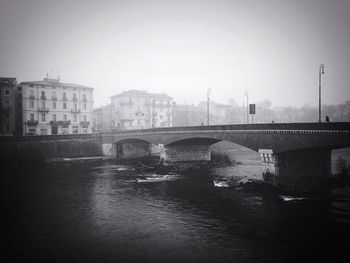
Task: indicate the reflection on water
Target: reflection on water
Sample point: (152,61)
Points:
(100,212)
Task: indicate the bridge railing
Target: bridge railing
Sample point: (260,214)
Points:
(48,137)
(341,126)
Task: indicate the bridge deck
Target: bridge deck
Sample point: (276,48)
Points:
(331,126)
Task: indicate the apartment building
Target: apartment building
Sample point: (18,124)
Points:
(102,119)
(50,107)
(8,106)
(135,109)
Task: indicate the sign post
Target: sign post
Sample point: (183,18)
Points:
(252,111)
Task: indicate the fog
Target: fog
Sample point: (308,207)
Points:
(271,48)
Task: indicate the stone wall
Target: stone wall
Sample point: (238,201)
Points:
(186,153)
(43,147)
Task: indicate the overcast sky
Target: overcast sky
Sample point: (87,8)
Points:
(272,48)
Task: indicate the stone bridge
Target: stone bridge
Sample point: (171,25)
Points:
(293,154)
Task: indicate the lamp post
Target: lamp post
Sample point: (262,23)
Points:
(186,113)
(246,94)
(208,100)
(320,72)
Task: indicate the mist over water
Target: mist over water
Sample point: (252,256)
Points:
(98,211)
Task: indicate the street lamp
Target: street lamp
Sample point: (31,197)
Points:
(246,94)
(320,72)
(208,99)
(186,113)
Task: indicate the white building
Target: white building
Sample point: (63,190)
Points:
(102,119)
(52,107)
(136,109)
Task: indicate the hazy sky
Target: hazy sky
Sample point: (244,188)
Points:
(273,48)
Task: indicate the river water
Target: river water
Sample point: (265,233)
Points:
(98,211)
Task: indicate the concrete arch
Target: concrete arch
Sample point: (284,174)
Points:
(194,141)
(131,140)
(131,148)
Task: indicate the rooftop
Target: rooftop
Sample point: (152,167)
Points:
(141,93)
(54,82)
(12,81)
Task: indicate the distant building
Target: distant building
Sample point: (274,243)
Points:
(218,112)
(136,109)
(189,115)
(194,115)
(8,106)
(102,118)
(52,107)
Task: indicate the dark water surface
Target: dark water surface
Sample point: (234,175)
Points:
(96,211)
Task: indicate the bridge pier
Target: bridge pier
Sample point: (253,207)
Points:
(302,170)
(132,150)
(186,153)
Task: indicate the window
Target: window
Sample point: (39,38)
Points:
(84,106)
(31,104)
(7,115)
(54,117)
(54,94)
(7,127)
(64,105)
(74,95)
(7,92)
(65,117)
(54,105)
(7,104)
(43,104)
(75,106)
(43,94)
(84,117)
(32,116)
(75,117)
(84,97)
(43,131)
(43,117)
(75,129)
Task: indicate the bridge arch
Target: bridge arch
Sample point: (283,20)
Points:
(194,141)
(131,148)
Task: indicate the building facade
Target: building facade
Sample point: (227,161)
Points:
(50,107)
(8,106)
(136,109)
(189,115)
(102,119)
(218,112)
(193,115)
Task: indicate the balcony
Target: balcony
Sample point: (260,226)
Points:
(32,97)
(43,97)
(60,123)
(6,108)
(85,123)
(43,109)
(32,123)
(54,98)
(125,103)
(75,110)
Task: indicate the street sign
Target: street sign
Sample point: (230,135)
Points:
(251,108)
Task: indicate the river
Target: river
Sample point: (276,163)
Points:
(98,211)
